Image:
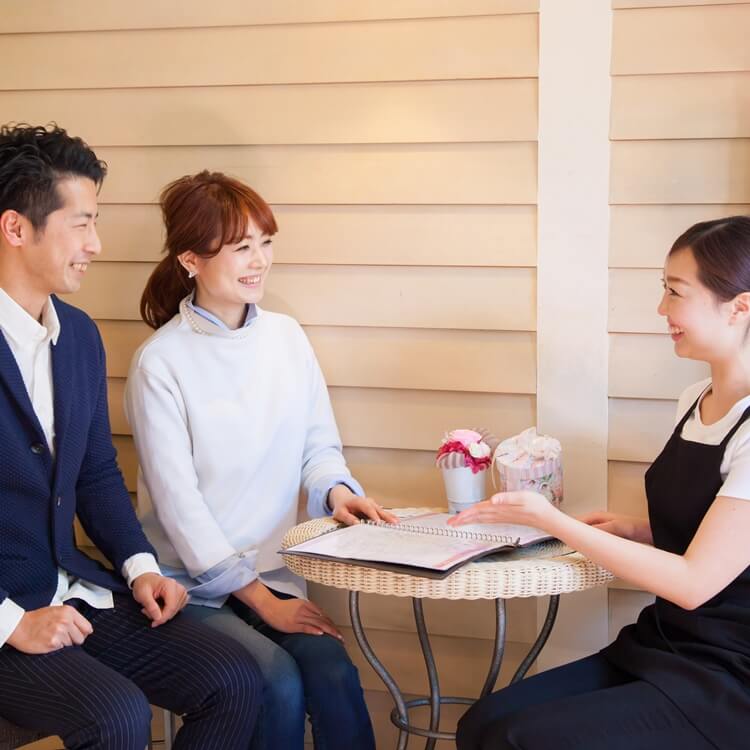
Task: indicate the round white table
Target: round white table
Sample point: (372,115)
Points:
(546,569)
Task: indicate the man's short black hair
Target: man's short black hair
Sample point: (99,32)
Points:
(33,159)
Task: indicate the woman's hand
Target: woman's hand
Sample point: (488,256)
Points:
(628,527)
(526,507)
(286,615)
(298,616)
(348,508)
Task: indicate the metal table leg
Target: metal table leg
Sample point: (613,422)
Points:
(377,665)
(400,714)
(549,621)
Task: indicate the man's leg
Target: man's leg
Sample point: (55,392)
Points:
(206,677)
(72,695)
(282,720)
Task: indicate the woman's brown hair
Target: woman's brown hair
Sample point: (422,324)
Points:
(721,249)
(201,213)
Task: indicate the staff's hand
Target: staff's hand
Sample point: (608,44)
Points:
(161,597)
(41,631)
(348,508)
(628,527)
(524,507)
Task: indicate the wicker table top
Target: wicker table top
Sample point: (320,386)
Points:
(543,569)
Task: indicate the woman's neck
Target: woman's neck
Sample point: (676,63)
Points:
(730,382)
(232,315)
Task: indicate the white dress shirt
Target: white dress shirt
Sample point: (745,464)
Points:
(30,342)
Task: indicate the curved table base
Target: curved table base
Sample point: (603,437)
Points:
(400,714)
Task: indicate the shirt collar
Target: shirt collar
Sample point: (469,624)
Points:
(17,324)
(252,313)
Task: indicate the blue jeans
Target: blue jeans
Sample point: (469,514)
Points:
(302,674)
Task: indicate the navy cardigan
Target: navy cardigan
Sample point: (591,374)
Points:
(40,496)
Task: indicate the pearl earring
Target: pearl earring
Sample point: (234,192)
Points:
(192,274)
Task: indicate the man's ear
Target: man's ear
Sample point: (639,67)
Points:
(14,228)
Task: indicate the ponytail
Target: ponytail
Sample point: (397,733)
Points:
(165,288)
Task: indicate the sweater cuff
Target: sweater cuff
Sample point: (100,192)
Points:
(317,494)
(10,616)
(138,564)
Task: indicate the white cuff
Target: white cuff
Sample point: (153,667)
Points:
(10,616)
(137,565)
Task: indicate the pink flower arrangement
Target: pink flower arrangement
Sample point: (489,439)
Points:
(469,444)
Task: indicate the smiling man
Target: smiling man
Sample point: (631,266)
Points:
(83,649)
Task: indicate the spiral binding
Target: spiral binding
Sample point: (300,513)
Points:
(477,536)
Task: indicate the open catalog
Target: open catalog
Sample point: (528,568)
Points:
(420,545)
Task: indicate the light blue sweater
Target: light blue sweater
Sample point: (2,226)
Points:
(228,425)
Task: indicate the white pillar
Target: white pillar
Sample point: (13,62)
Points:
(572,282)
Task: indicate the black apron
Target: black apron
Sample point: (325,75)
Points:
(700,659)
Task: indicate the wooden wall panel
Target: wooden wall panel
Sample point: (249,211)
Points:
(356,235)
(640,236)
(681,40)
(699,105)
(681,171)
(667,3)
(500,46)
(624,608)
(645,366)
(380,418)
(430,359)
(468,298)
(398,419)
(98,15)
(626,491)
(389,358)
(423,112)
(639,428)
(486,173)
(398,478)
(634,296)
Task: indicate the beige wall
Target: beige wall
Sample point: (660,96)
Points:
(680,132)
(396,141)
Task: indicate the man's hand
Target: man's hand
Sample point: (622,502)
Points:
(161,597)
(348,508)
(41,631)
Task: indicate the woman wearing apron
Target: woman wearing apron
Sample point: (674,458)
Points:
(680,676)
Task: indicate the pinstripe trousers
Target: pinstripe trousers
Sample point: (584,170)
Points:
(97,696)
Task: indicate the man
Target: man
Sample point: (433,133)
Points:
(83,650)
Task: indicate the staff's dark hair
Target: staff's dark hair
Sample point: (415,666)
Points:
(33,160)
(721,249)
(202,213)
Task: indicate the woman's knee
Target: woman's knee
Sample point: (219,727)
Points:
(283,682)
(326,664)
(505,732)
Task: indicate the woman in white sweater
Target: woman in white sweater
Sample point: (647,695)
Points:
(231,415)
